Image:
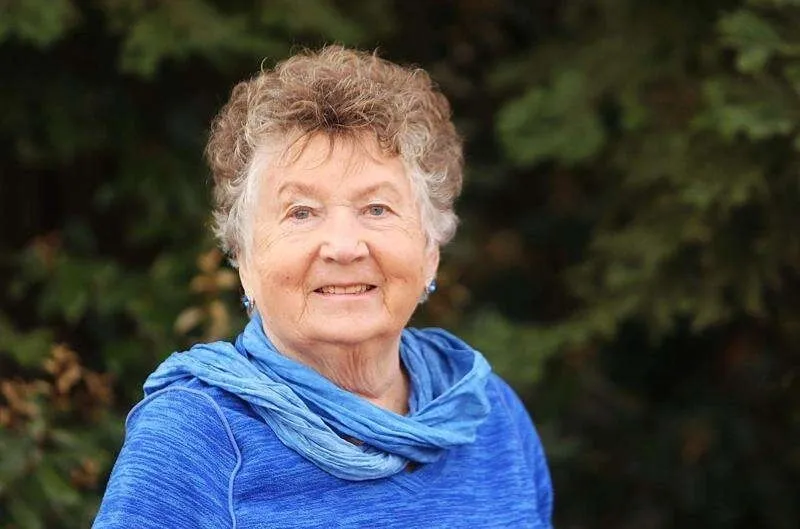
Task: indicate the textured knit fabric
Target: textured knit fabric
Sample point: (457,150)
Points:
(196,456)
(309,413)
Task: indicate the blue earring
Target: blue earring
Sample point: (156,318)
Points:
(247,304)
(431,288)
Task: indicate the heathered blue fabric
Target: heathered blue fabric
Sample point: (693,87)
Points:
(198,457)
(312,415)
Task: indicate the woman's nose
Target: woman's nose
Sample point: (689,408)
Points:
(343,240)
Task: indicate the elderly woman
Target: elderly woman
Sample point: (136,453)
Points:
(335,176)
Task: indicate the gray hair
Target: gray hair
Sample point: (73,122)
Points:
(344,94)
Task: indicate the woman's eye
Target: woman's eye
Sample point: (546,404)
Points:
(300,213)
(376,210)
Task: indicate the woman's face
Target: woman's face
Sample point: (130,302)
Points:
(338,254)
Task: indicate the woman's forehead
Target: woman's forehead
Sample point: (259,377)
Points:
(317,147)
(324,166)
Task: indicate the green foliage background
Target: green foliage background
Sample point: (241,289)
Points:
(629,255)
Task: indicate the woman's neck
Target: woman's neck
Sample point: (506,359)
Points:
(372,370)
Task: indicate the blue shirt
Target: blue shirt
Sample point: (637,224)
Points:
(196,456)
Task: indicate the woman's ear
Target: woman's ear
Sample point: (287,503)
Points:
(431,263)
(244,276)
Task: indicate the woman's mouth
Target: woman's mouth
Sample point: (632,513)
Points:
(345,289)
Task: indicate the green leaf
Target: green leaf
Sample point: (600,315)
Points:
(56,487)
(313,16)
(30,348)
(792,73)
(179,30)
(24,514)
(753,37)
(39,22)
(558,122)
(517,351)
(751,114)
(13,465)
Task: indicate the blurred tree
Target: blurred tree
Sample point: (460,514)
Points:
(104,208)
(627,257)
(669,132)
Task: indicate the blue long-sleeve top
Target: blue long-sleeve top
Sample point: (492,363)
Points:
(196,456)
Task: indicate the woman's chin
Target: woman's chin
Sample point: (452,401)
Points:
(350,328)
(349,332)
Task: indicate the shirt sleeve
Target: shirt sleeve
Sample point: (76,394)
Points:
(534,453)
(175,468)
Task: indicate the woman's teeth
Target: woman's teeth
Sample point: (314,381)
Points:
(351,289)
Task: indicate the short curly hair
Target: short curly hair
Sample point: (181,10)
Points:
(341,93)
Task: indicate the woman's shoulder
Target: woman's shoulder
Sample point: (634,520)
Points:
(190,410)
(503,392)
(178,432)
(186,400)
(511,418)
(505,402)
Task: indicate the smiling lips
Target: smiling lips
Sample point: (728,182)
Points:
(345,289)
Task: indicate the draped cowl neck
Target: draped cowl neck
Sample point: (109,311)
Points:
(314,417)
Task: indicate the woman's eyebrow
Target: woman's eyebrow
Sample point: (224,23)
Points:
(380,188)
(293,189)
(296,188)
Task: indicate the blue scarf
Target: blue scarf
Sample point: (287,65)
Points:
(311,415)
